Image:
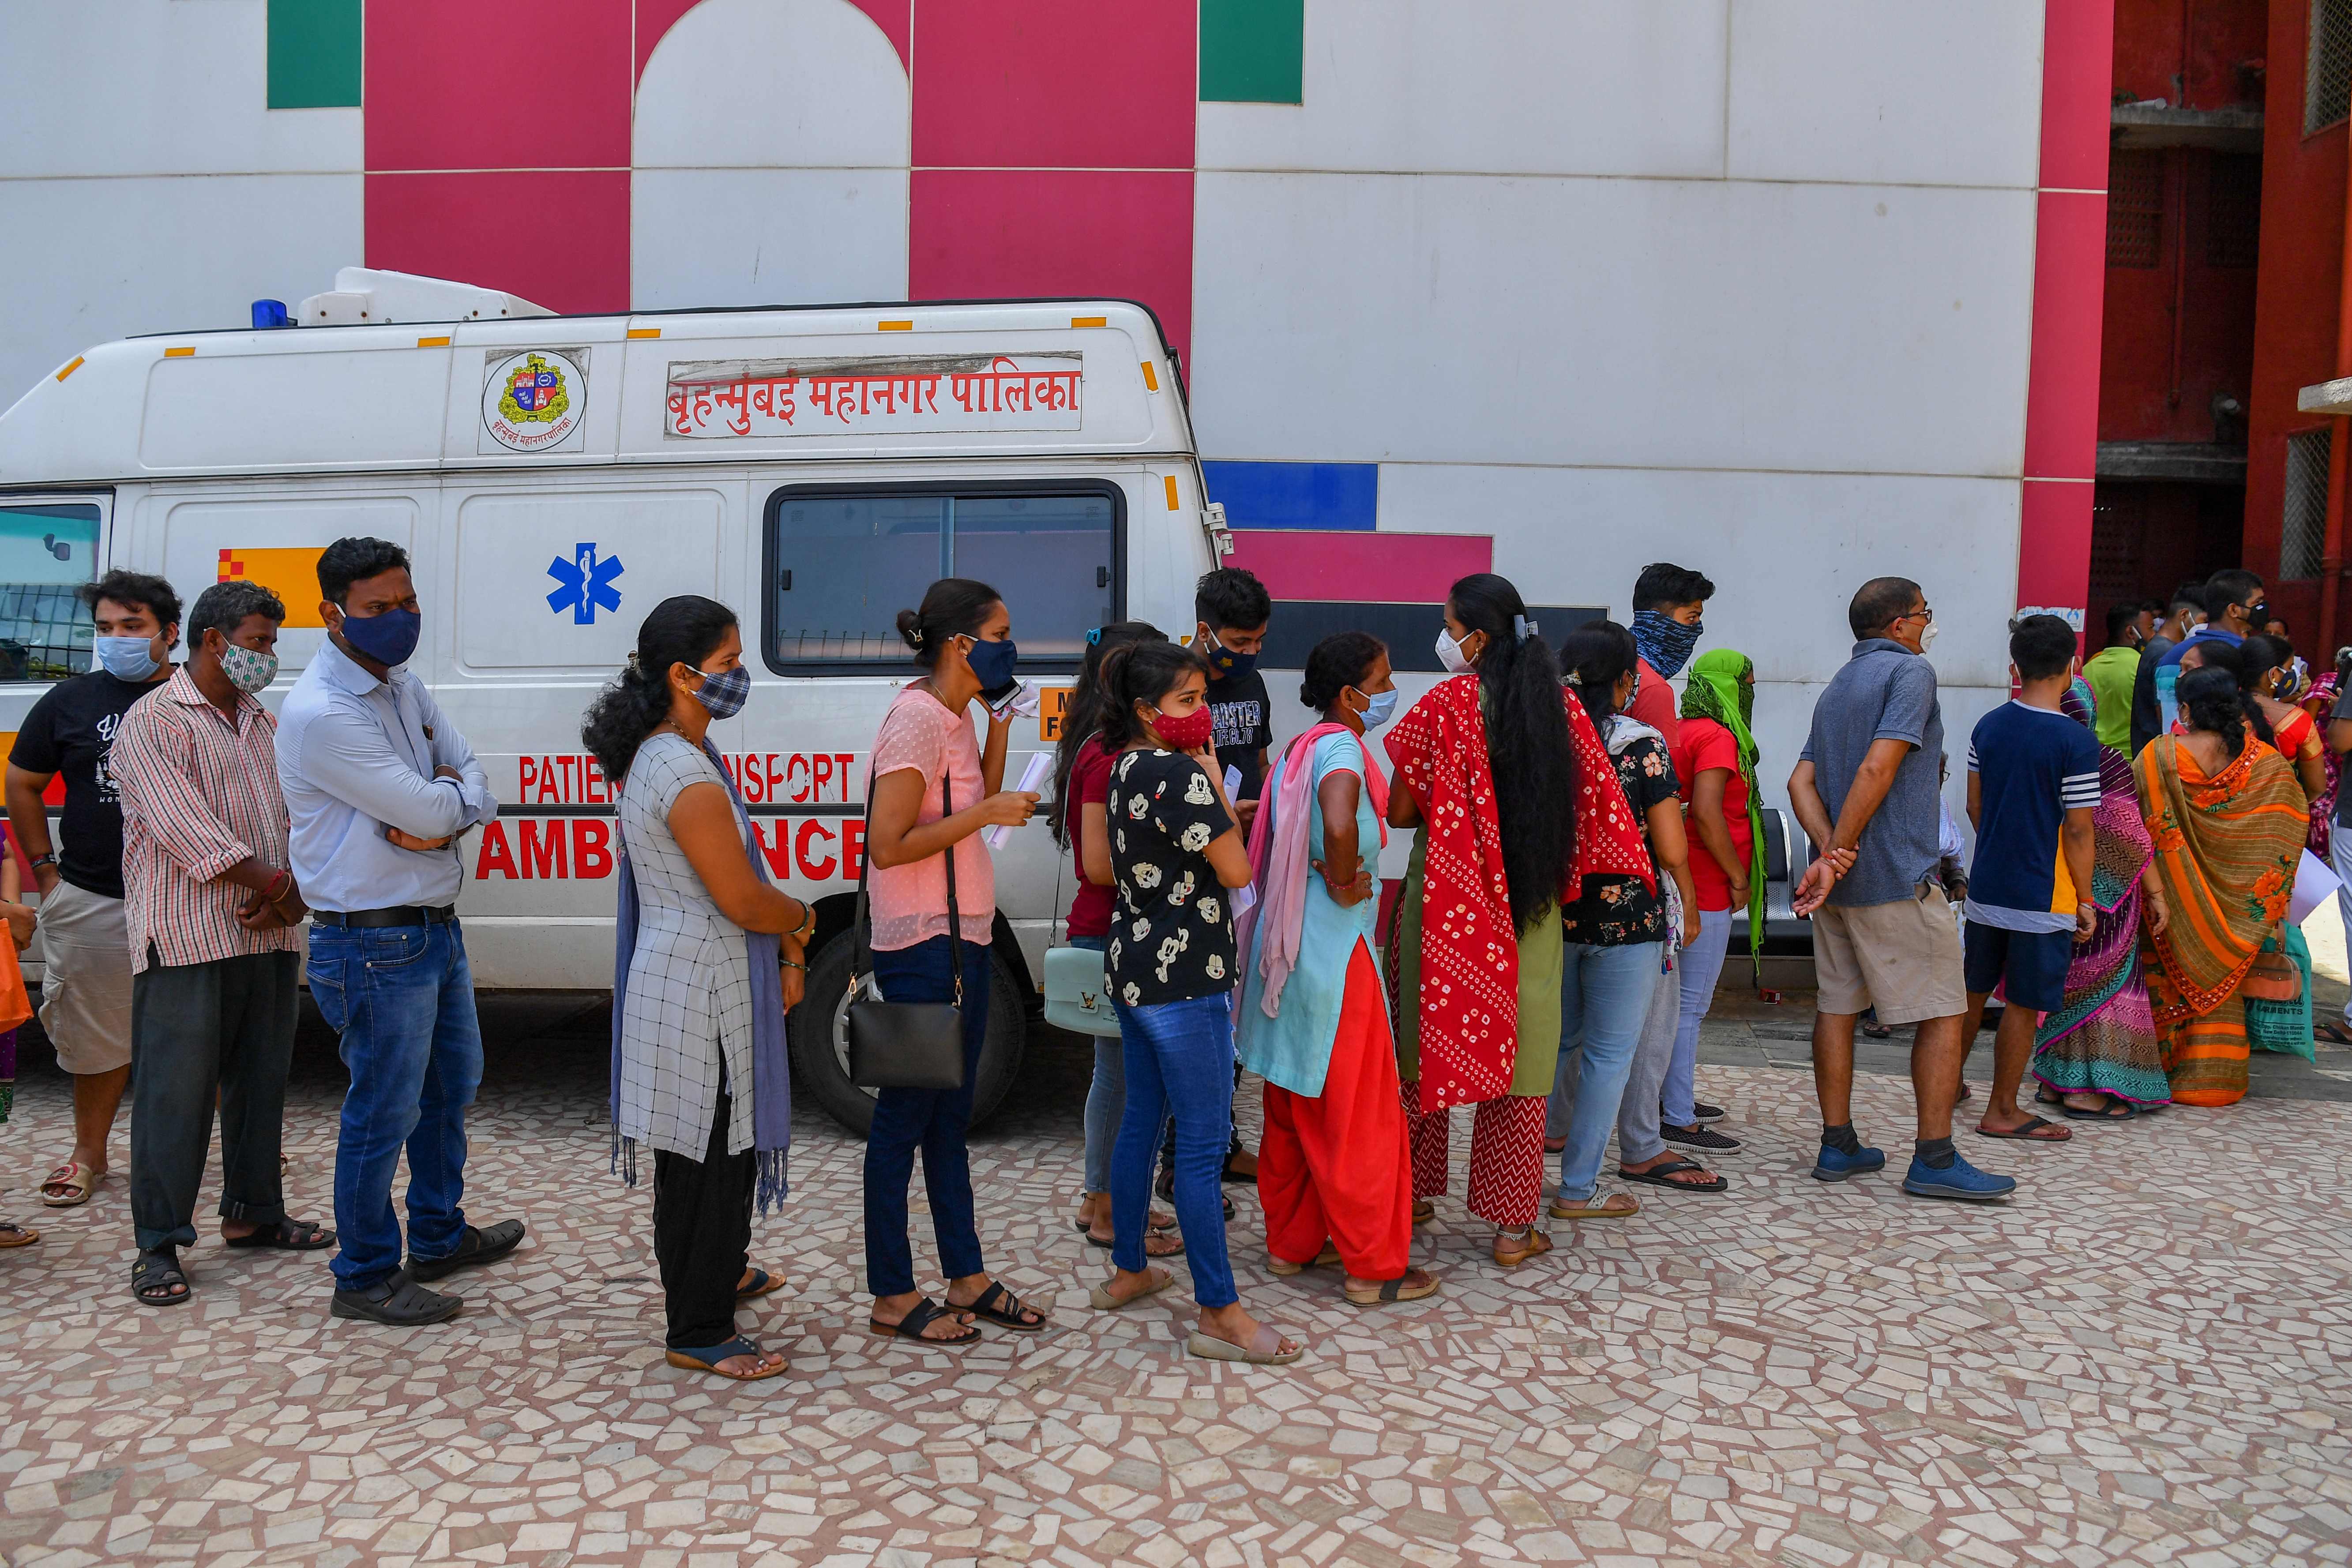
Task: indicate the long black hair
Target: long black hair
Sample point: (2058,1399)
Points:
(2210,696)
(1593,658)
(1141,672)
(680,630)
(951,607)
(2262,654)
(1527,744)
(1082,715)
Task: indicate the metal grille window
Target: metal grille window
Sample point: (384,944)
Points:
(2136,208)
(46,554)
(2305,533)
(2327,68)
(2233,209)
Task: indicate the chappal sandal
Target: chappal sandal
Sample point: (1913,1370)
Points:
(156,1279)
(920,1316)
(286,1236)
(14,1235)
(1283,1266)
(1663,1177)
(1265,1347)
(1510,1251)
(760,1283)
(72,1182)
(1616,1205)
(1005,1310)
(2032,1129)
(1155,1280)
(1411,1286)
(1423,1211)
(708,1360)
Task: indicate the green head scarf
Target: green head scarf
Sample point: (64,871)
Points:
(1722,687)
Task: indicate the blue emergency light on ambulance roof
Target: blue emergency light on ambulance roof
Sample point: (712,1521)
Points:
(268,313)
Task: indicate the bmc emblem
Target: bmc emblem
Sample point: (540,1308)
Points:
(534,402)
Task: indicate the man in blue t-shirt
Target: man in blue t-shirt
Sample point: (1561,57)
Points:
(2233,607)
(2033,781)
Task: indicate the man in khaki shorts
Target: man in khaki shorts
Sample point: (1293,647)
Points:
(86,984)
(1865,790)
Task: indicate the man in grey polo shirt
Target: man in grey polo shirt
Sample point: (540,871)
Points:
(1866,792)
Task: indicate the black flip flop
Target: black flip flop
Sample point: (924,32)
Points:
(286,1236)
(2113,1110)
(2023,1132)
(158,1270)
(919,1318)
(1661,1176)
(1004,1309)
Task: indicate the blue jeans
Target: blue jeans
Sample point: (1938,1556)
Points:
(1106,1095)
(402,998)
(1701,966)
(932,1119)
(1180,1058)
(1604,999)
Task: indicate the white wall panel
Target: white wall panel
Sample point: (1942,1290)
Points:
(1864,89)
(766,236)
(153,87)
(772,84)
(1638,323)
(1598,87)
(88,260)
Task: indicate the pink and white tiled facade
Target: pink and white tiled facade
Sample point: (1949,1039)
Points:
(2147,1359)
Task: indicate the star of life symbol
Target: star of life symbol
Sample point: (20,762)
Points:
(585,584)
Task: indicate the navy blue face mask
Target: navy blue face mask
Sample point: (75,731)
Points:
(388,637)
(991,663)
(1228,664)
(724,694)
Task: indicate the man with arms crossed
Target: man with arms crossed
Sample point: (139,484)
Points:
(86,996)
(1865,790)
(380,783)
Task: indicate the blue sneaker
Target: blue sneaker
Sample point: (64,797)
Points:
(1960,1180)
(1836,1165)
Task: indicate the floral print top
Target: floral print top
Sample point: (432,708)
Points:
(1172,938)
(1617,911)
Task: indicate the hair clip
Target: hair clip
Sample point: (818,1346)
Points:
(1094,637)
(1522,627)
(633,660)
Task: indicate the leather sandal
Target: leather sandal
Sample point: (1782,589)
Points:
(1283,1266)
(286,1236)
(920,1316)
(1616,1205)
(1423,1211)
(1004,1309)
(14,1235)
(1411,1286)
(708,1360)
(1510,1252)
(763,1282)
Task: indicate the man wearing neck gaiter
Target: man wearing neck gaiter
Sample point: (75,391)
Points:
(1668,603)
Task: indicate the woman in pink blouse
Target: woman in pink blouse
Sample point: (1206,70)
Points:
(933,787)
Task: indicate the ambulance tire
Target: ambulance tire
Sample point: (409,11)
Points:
(818,1063)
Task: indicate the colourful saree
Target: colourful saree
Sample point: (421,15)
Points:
(2226,852)
(2102,1040)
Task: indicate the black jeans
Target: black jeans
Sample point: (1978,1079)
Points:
(702,1235)
(932,1119)
(225,1027)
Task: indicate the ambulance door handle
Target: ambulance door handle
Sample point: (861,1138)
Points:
(1102,576)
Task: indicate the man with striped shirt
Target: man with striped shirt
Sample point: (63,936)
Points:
(2033,783)
(212,911)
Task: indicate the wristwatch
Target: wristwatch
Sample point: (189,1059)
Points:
(38,861)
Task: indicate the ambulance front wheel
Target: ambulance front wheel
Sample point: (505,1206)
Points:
(819,1028)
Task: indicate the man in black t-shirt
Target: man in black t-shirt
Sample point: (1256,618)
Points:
(1235,611)
(86,991)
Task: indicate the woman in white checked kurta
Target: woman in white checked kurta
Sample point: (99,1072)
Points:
(685,1028)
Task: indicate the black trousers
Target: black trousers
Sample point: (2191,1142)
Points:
(702,1235)
(197,1028)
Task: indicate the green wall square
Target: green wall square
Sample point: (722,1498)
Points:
(1253,51)
(314,54)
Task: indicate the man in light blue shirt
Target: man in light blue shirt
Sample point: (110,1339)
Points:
(379,784)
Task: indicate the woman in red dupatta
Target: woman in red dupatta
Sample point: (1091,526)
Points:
(1507,815)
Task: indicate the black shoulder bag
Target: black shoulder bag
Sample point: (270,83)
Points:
(904,1045)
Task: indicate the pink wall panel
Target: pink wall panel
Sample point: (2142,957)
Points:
(1055,84)
(2078,63)
(1375,568)
(655,17)
(2054,550)
(458,84)
(2070,275)
(1010,233)
(559,239)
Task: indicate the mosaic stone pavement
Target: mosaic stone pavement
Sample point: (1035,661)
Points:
(2147,1359)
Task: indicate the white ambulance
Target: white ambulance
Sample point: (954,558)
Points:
(553,478)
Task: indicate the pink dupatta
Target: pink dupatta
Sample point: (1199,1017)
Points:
(1280,860)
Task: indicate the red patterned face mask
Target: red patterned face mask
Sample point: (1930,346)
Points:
(1186,733)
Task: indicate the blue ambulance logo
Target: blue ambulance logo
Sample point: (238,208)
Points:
(585,583)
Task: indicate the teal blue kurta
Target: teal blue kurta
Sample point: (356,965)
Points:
(1293,1050)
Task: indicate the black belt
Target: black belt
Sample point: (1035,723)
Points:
(402,915)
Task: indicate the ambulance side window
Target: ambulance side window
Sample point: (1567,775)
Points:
(842,563)
(47,551)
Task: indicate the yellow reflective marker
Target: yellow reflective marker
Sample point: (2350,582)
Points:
(431,342)
(1150,377)
(1090,320)
(1172,493)
(72,365)
(179,353)
(645,332)
(894,326)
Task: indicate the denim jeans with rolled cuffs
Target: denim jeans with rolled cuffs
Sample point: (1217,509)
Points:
(1180,1059)
(402,998)
(1604,1001)
(932,1120)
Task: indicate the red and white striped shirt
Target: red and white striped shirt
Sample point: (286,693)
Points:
(199,795)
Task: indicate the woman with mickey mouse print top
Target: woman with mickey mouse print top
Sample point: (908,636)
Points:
(1176,852)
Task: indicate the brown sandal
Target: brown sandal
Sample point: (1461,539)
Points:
(1283,1266)
(1617,1205)
(1509,1253)
(1412,1286)
(14,1235)
(1423,1211)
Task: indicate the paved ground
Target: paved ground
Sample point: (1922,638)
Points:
(2143,1360)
